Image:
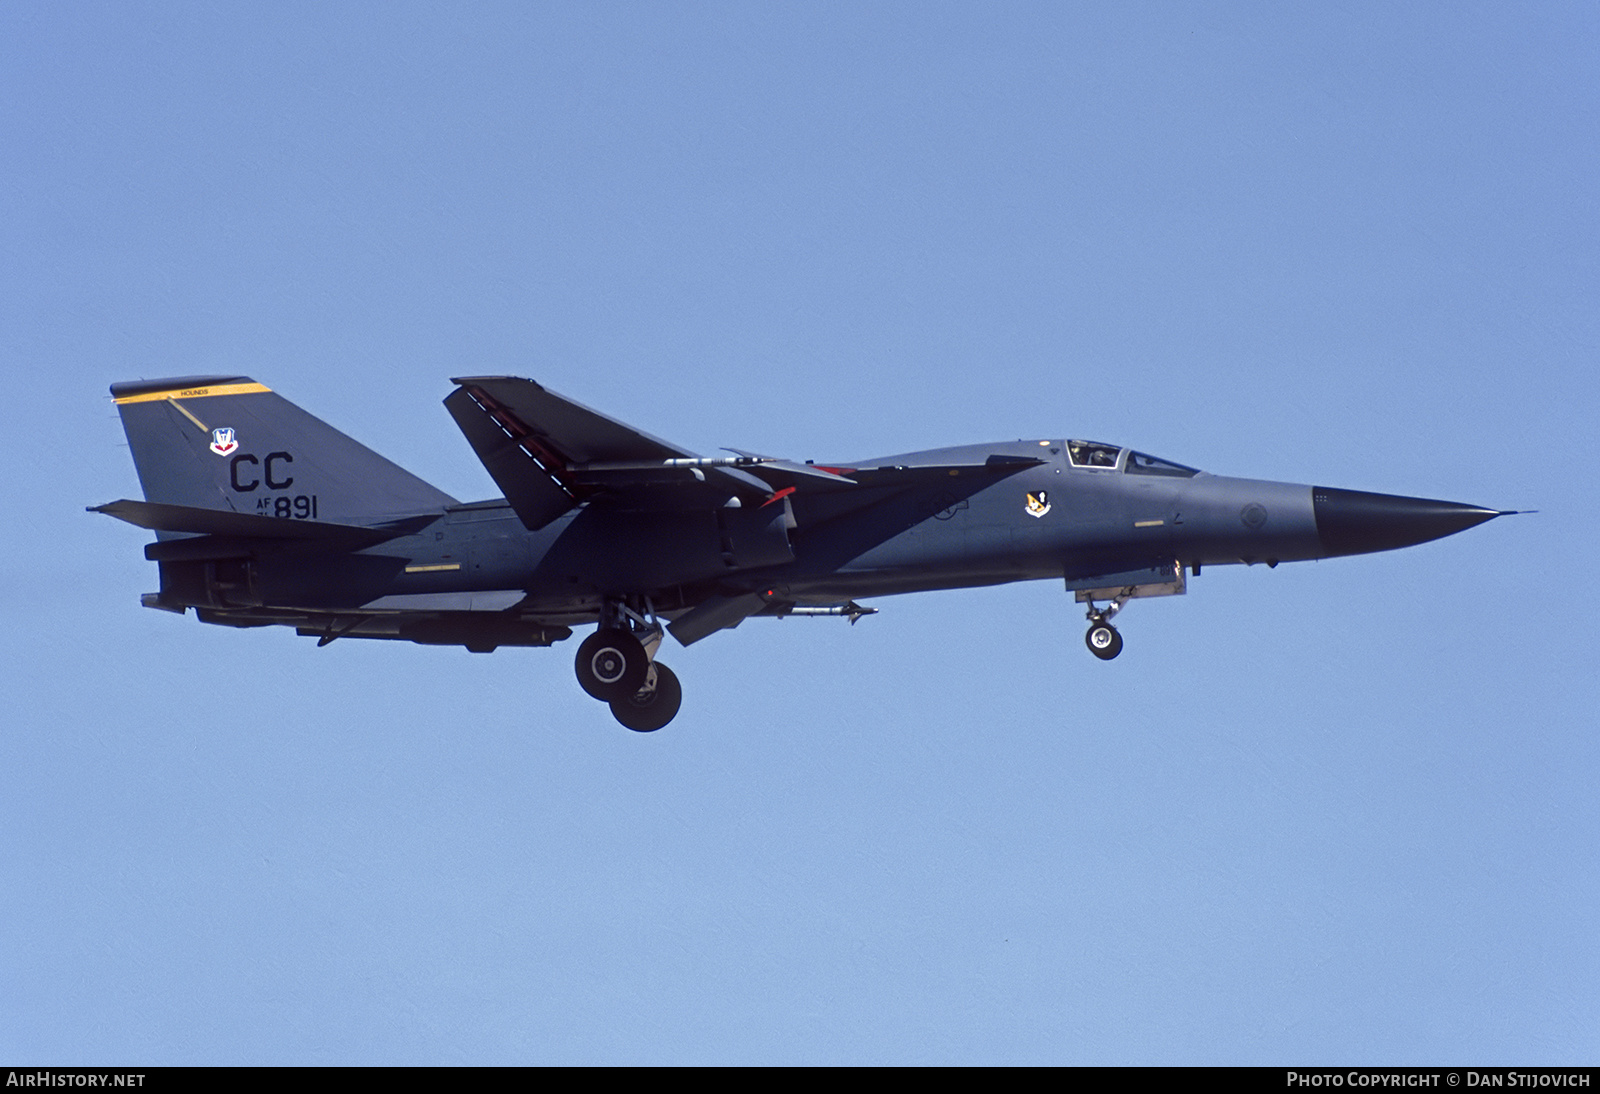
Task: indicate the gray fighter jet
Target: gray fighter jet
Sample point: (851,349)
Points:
(266,515)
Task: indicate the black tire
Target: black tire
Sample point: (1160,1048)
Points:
(1103,641)
(611,663)
(646,711)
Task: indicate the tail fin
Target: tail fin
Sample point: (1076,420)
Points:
(228,443)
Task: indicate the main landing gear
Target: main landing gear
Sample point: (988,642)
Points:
(1103,639)
(616,664)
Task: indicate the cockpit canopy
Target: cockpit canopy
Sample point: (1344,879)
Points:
(1092,454)
(1107,457)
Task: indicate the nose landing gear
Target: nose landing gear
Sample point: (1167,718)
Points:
(1103,639)
(1159,579)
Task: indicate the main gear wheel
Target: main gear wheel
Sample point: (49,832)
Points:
(653,705)
(611,664)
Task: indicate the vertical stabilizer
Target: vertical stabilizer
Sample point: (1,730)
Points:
(229,443)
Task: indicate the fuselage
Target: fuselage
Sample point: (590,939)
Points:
(939,519)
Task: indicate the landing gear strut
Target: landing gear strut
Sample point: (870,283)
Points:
(616,664)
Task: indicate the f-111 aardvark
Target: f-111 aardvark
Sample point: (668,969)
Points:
(266,515)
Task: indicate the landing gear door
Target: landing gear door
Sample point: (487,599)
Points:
(1160,579)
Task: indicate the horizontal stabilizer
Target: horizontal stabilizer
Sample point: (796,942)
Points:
(160,517)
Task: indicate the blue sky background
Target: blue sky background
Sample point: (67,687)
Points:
(1336,812)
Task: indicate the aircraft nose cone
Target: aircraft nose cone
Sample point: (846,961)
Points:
(1352,522)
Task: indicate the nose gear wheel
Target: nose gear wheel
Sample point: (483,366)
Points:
(1103,640)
